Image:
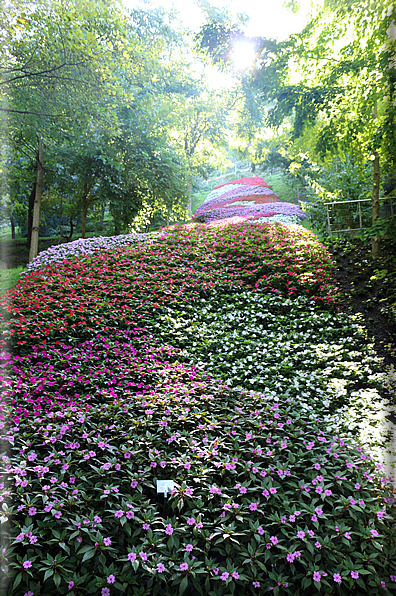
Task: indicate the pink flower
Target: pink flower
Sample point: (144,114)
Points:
(106,541)
(316,576)
(160,567)
(253,506)
(235,574)
(374,533)
(274,540)
(132,557)
(184,566)
(300,534)
(105,592)
(354,574)
(273,491)
(224,576)
(27,564)
(119,513)
(189,548)
(143,556)
(260,530)
(168,530)
(191,521)
(256,584)
(337,578)
(32,511)
(111,579)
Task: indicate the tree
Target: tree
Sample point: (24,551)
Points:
(58,69)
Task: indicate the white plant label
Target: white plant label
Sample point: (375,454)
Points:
(165,486)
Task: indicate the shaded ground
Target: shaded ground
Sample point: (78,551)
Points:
(369,288)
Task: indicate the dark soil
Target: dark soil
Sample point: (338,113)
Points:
(369,289)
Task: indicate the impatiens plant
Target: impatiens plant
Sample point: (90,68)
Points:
(247,199)
(214,356)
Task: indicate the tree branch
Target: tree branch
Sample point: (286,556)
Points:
(34,113)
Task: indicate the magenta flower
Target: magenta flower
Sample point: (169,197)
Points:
(131,557)
(168,530)
(316,576)
(189,548)
(224,576)
(70,585)
(253,506)
(184,566)
(274,540)
(235,575)
(160,567)
(27,564)
(337,578)
(143,556)
(107,541)
(354,574)
(111,579)
(191,521)
(105,592)
(300,534)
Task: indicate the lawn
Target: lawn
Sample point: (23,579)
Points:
(216,356)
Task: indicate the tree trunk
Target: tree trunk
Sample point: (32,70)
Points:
(69,238)
(117,230)
(12,222)
(30,214)
(102,217)
(375,243)
(37,202)
(189,206)
(84,219)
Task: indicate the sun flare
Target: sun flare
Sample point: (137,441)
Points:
(243,55)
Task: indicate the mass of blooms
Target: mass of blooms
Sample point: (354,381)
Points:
(214,356)
(247,199)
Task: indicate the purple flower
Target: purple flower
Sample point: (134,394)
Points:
(168,530)
(184,566)
(160,567)
(235,574)
(300,534)
(354,574)
(107,541)
(256,584)
(374,533)
(27,564)
(316,576)
(189,548)
(224,576)
(105,592)
(143,556)
(131,557)
(253,506)
(274,540)
(337,578)
(260,530)
(111,579)
(32,511)
(70,585)
(191,521)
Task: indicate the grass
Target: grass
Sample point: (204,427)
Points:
(9,278)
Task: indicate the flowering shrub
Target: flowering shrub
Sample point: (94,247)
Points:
(250,199)
(112,382)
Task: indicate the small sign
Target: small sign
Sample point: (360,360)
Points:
(165,486)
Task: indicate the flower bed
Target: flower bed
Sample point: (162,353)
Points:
(113,382)
(250,199)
